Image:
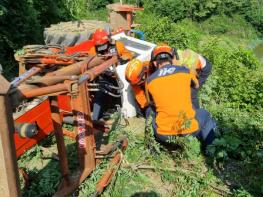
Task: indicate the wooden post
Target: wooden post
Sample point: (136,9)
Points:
(9,182)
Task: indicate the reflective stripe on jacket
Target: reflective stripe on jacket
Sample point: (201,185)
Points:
(190,59)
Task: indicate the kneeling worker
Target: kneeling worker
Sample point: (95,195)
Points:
(136,73)
(169,89)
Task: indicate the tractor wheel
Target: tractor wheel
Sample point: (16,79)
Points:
(73,32)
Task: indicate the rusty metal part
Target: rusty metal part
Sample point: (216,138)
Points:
(9,182)
(129,21)
(74,69)
(52,80)
(29,92)
(109,148)
(82,117)
(77,68)
(98,69)
(84,127)
(62,153)
(106,178)
(85,138)
(47,60)
(102,67)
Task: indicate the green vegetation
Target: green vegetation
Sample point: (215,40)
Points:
(202,10)
(220,30)
(233,93)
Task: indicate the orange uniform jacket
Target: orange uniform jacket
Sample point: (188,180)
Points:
(121,50)
(170,89)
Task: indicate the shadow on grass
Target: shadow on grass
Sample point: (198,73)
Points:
(145,194)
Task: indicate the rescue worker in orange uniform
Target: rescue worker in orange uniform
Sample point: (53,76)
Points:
(103,45)
(169,89)
(197,63)
(136,73)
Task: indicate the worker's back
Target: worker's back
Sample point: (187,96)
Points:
(169,88)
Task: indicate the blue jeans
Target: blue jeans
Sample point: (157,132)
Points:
(206,127)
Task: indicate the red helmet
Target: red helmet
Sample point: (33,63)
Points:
(100,37)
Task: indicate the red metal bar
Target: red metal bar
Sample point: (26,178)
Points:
(49,60)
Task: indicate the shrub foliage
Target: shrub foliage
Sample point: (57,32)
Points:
(233,92)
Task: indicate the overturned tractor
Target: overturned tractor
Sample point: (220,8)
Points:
(55,88)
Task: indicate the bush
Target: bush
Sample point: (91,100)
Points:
(236,27)
(177,10)
(22,22)
(241,134)
(236,78)
(97,4)
(164,30)
(254,15)
(233,93)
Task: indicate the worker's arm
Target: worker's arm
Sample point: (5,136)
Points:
(125,54)
(204,69)
(140,96)
(198,64)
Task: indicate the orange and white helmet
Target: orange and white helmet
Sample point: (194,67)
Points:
(162,51)
(135,71)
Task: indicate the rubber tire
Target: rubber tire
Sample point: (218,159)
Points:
(72,32)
